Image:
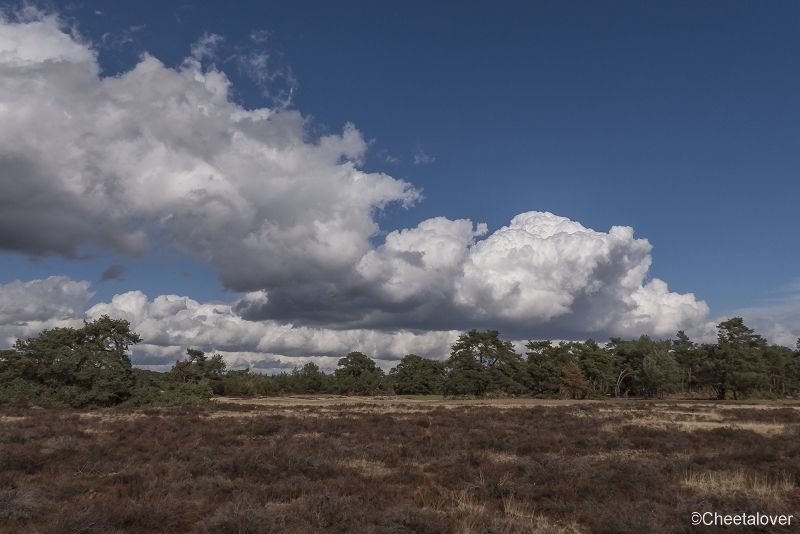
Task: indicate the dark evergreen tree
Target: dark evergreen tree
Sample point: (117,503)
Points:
(308,379)
(735,363)
(545,365)
(358,374)
(197,367)
(629,360)
(417,376)
(597,364)
(88,366)
(480,362)
(660,373)
(690,358)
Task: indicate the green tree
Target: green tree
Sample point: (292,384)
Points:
(736,362)
(629,361)
(660,373)
(197,367)
(417,376)
(308,379)
(480,362)
(356,373)
(545,363)
(779,365)
(596,363)
(690,358)
(88,366)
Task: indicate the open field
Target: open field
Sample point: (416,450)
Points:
(348,464)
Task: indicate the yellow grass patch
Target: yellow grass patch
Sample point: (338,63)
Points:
(518,517)
(111,416)
(367,467)
(11,419)
(728,482)
(692,426)
(308,435)
(707,418)
(624,454)
(502,457)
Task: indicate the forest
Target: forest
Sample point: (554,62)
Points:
(90,367)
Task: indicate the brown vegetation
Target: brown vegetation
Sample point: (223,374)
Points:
(394,466)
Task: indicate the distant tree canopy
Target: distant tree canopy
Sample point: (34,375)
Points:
(89,366)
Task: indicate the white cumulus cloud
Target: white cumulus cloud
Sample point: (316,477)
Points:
(161,151)
(160,154)
(541,269)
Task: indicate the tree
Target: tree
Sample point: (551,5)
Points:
(572,380)
(308,379)
(661,373)
(480,362)
(596,364)
(629,361)
(779,366)
(198,367)
(356,373)
(736,362)
(88,366)
(417,376)
(545,362)
(690,358)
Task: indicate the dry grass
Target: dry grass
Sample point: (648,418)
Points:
(392,403)
(730,482)
(394,466)
(368,468)
(502,457)
(10,419)
(692,426)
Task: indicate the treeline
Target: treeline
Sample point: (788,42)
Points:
(90,367)
(740,365)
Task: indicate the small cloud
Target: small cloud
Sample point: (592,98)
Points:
(421,158)
(260,36)
(120,38)
(264,67)
(206,46)
(114,272)
(388,158)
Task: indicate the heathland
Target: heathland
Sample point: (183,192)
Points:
(398,465)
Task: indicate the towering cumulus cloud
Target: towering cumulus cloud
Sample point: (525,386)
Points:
(159,153)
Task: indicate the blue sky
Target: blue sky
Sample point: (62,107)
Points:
(678,119)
